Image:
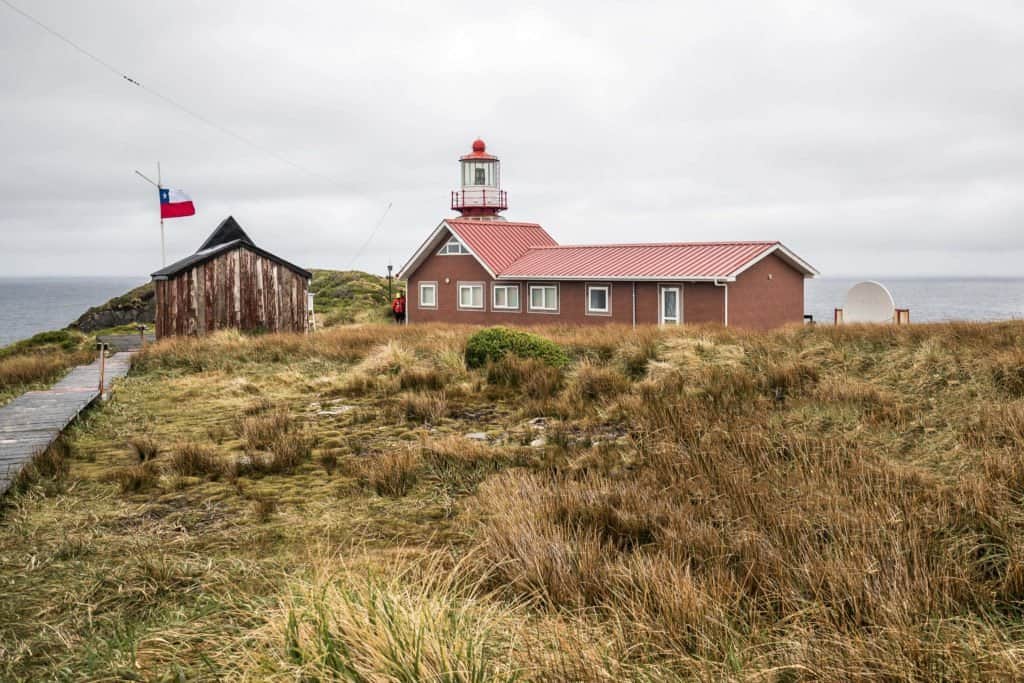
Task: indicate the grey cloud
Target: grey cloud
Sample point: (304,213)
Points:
(871,137)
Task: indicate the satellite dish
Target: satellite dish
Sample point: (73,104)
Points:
(868,302)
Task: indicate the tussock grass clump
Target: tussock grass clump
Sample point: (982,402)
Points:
(258,406)
(422,379)
(135,478)
(460,464)
(50,467)
(144,447)
(790,377)
(393,472)
(1008,373)
(329,461)
(428,407)
(264,507)
(195,460)
(387,359)
(354,626)
(999,426)
(637,351)
(534,378)
(287,452)
(592,382)
(261,431)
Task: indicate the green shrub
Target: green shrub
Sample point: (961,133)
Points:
(493,343)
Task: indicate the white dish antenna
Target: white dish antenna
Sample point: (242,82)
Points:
(868,302)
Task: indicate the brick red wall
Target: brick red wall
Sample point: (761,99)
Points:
(703,303)
(754,300)
(757,301)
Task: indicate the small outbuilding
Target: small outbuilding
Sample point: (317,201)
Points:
(230,283)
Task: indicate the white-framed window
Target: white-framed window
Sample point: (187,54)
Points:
(471,295)
(670,305)
(599,299)
(453,246)
(544,298)
(505,298)
(428,295)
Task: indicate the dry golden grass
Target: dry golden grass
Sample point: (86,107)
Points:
(35,369)
(697,503)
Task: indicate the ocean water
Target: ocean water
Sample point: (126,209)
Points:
(31,305)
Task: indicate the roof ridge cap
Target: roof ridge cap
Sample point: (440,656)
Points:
(475,221)
(660,244)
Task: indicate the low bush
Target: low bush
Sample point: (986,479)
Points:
(494,343)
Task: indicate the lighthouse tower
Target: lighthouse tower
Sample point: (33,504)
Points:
(481,196)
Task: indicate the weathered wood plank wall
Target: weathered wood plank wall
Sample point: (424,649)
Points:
(239,289)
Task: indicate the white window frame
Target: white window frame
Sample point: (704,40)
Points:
(506,307)
(471,285)
(607,310)
(679,304)
(455,243)
(544,285)
(429,284)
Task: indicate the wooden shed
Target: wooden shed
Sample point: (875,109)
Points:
(230,283)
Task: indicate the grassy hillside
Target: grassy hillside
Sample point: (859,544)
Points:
(808,504)
(348,296)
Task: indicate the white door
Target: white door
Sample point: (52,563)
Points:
(671,306)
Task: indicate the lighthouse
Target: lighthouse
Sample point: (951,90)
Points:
(480,196)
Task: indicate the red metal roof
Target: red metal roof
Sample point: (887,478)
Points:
(693,260)
(499,243)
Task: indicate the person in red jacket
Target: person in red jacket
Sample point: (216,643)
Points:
(398,307)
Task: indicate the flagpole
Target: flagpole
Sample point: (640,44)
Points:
(163,246)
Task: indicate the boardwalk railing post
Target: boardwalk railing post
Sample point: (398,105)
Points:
(103,363)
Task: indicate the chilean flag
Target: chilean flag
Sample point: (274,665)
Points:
(175,204)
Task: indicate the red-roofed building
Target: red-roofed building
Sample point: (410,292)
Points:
(482,269)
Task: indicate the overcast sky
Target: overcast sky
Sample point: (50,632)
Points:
(873,138)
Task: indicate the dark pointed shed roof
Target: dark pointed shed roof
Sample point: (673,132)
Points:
(228,235)
(228,231)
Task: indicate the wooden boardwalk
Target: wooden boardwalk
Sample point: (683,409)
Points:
(31,422)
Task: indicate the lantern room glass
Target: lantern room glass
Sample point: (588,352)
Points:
(480,173)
